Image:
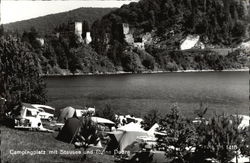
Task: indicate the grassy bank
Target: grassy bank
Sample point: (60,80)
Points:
(18,140)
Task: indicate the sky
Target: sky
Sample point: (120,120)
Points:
(17,10)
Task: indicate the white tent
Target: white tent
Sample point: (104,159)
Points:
(127,134)
(152,130)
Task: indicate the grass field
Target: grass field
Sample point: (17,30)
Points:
(13,140)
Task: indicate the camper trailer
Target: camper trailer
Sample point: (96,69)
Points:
(45,112)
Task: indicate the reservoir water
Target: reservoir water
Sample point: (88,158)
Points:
(226,92)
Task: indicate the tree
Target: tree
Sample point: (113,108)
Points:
(85,28)
(238,30)
(180,136)
(152,117)
(1,30)
(107,112)
(219,138)
(20,80)
(131,61)
(74,61)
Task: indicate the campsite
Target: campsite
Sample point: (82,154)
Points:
(81,136)
(55,141)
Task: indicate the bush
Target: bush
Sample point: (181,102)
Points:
(131,62)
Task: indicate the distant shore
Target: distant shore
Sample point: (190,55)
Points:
(146,72)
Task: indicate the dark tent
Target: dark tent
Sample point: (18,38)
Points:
(69,130)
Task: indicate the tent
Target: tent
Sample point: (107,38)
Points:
(69,129)
(153,131)
(66,113)
(72,124)
(126,135)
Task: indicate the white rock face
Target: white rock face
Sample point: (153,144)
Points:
(245,46)
(190,42)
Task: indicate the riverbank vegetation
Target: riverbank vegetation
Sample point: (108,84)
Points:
(64,55)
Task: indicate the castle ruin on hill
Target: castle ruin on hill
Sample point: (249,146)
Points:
(76,29)
(136,41)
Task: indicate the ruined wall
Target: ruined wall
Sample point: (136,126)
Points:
(88,38)
(78,28)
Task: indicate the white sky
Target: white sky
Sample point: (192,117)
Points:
(17,10)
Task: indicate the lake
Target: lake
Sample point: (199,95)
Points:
(136,94)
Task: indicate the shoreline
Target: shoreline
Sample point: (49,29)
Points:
(145,72)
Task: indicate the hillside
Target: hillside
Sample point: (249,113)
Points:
(46,24)
(145,36)
(158,27)
(219,22)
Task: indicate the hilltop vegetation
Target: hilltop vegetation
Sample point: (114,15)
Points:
(219,23)
(46,24)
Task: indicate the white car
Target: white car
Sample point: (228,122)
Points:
(42,113)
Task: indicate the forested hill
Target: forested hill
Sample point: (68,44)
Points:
(223,22)
(46,24)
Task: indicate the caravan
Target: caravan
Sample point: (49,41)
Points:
(26,116)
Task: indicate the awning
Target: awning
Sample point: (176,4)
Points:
(102,120)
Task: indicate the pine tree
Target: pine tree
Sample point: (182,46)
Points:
(180,136)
